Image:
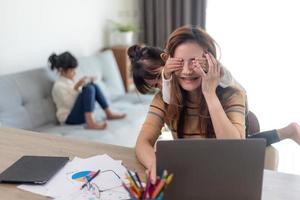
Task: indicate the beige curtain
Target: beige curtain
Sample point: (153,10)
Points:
(158,18)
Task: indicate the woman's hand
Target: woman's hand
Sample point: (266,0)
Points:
(172,65)
(82,82)
(152,172)
(211,78)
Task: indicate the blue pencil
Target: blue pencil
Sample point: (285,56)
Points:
(160,197)
(139,181)
(133,179)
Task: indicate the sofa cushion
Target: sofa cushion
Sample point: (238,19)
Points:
(104,66)
(122,132)
(26,99)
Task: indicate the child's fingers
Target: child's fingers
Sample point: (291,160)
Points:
(174,62)
(174,66)
(196,63)
(200,59)
(200,71)
(177,59)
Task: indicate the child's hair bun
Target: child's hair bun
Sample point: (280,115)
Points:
(53,61)
(134,52)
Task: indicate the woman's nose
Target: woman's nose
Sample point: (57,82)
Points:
(187,67)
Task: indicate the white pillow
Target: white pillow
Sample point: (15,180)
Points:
(104,66)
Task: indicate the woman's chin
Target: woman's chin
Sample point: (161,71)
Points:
(190,86)
(189,89)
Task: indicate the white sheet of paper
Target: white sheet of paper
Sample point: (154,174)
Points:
(63,186)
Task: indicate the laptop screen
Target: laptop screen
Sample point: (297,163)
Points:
(212,169)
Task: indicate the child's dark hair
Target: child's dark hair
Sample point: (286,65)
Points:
(62,61)
(145,64)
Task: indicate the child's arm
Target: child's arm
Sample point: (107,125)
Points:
(166,88)
(80,83)
(172,65)
(227,79)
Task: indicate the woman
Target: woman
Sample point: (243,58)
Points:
(151,67)
(199,107)
(75,101)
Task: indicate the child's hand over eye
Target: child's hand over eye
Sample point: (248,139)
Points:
(200,63)
(172,65)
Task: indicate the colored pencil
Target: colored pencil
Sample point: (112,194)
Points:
(139,181)
(147,186)
(90,179)
(169,179)
(131,176)
(133,185)
(159,187)
(151,191)
(160,196)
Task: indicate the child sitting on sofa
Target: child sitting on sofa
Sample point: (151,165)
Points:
(75,101)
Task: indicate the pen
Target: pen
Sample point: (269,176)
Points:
(89,180)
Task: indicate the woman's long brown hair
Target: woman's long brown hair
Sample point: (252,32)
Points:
(177,108)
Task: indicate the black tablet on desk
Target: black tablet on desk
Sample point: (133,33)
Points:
(33,169)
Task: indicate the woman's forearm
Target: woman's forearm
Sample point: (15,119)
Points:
(223,127)
(145,153)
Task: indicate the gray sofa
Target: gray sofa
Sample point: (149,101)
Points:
(26,102)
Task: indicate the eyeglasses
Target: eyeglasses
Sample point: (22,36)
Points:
(108,183)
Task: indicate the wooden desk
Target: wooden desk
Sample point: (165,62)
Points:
(15,143)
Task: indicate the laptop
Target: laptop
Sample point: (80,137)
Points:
(33,169)
(212,169)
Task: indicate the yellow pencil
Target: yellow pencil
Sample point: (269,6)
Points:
(134,186)
(169,179)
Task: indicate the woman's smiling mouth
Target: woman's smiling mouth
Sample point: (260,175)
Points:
(189,78)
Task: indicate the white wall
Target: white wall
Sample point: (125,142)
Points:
(31,30)
(260,43)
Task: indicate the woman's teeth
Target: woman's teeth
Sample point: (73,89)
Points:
(189,78)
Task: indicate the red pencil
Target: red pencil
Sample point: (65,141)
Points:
(147,186)
(158,188)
